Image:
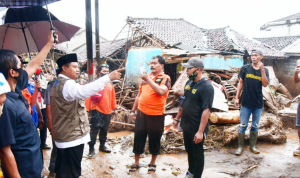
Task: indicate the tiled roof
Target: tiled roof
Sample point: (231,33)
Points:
(63,50)
(291,17)
(279,42)
(228,39)
(106,49)
(171,31)
(174,31)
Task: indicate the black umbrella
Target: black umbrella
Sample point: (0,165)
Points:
(27,27)
(9,3)
(22,3)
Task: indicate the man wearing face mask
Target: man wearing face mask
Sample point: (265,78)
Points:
(194,113)
(26,147)
(100,105)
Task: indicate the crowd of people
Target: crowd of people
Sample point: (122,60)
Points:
(63,105)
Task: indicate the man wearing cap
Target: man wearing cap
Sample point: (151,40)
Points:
(252,78)
(150,107)
(194,113)
(101,105)
(69,117)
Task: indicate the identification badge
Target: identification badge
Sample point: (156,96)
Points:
(158,80)
(56,82)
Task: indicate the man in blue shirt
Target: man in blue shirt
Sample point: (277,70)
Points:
(25,144)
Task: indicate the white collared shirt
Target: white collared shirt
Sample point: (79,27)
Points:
(72,91)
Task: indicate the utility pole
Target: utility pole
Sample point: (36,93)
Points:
(89,39)
(97,31)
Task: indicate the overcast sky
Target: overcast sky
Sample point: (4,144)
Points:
(243,16)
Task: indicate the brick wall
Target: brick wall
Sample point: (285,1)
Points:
(284,71)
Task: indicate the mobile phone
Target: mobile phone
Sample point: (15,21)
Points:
(143,70)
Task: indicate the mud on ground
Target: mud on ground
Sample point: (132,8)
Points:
(274,161)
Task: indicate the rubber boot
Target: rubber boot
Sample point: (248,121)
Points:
(240,144)
(297,152)
(253,138)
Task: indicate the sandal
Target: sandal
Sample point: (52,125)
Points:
(152,167)
(134,167)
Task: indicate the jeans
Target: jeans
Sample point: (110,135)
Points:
(195,154)
(244,117)
(298,115)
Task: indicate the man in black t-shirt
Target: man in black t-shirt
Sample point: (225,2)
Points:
(20,136)
(195,111)
(252,78)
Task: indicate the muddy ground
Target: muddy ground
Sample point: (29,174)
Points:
(274,161)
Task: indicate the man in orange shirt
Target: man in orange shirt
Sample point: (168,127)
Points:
(150,106)
(101,105)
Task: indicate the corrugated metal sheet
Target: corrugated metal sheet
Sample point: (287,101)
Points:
(136,59)
(219,62)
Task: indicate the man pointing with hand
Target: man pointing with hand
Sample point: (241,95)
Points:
(69,117)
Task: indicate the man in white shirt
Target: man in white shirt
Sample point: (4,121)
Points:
(70,121)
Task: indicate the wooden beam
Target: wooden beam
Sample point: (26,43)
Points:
(121,123)
(178,59)
(150,38)
(118,33)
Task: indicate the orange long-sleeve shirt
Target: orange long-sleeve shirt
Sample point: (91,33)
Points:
(107,103)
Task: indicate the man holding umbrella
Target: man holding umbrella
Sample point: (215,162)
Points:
(26,142)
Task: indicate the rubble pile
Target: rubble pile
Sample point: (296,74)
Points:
(224,119)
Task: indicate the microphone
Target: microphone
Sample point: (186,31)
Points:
(37,74)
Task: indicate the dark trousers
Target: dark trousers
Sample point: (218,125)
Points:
(68,162)
(151,126)
(195,154)
(43,132)
(53,157)
(102,134)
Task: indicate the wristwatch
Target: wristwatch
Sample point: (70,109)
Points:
(131,111)
(177,120)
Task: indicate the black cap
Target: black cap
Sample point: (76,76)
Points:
(66,59)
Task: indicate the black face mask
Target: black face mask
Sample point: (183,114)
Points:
(102,75)
(21,74)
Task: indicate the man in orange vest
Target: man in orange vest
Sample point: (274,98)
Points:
(101,105)
(150,107)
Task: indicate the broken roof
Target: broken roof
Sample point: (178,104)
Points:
(230,40)
(279,43)
(175,31)
(171,31)
(106,49)
(290,17)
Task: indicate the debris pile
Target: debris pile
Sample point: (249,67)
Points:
(225,116)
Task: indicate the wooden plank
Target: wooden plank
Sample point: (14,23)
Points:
(121,123)
(178,59)
(225,76)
